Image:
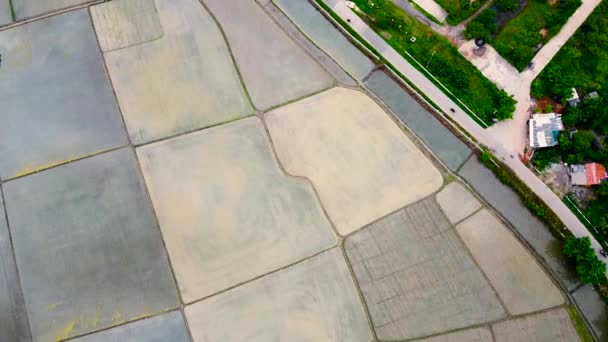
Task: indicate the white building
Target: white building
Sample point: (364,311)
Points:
(544,129)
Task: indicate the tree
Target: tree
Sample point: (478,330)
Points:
(507,5)
(564,142)
(589,268)
(482,27)
(602,190)
(505,105)
(521,56)
(574,159)
(488,19)
(476,30)
(561,82)
(592,109)
(572,117)
(581,141)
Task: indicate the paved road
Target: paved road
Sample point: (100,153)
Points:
(465,121)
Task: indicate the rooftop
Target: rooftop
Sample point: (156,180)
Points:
(574,99)
(596,173)
(544,129)
(588,174)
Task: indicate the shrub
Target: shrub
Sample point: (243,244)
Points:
(482,27)
(589,268)
(507,5)
(518,39)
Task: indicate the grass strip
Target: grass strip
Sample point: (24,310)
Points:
(579,324)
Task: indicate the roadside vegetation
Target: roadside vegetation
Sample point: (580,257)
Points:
(579,325)
(459,10)
(539,21)
(407,35)
(520,38)
(589,268)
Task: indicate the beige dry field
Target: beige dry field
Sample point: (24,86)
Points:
(179,170)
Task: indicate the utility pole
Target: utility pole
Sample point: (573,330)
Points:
(427,63)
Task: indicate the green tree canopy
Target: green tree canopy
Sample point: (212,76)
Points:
(507,5)
(482,27)
(589,268)
(581,141)
(602,190)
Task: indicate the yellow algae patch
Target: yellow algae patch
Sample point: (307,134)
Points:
(95,320)
(117,317)
(67,331)
(37,168)
(52,306)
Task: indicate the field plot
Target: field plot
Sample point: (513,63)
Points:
(256,199)
(361,164)
(508,203)
(554,326)
(315,300)
(259,46)
(520,282)
(29,8)
(170,67)
(473,335)
(326,61)
(13,325)
(538,22)
(416,276)
(88,248)
(452,151)
(227,211)
(324,34)
(167,327)
(44,126)
(594,308)
(121,24)
(457,202)
(5,12)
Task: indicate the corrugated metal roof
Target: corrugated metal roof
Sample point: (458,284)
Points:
(595,173)
(544,129)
